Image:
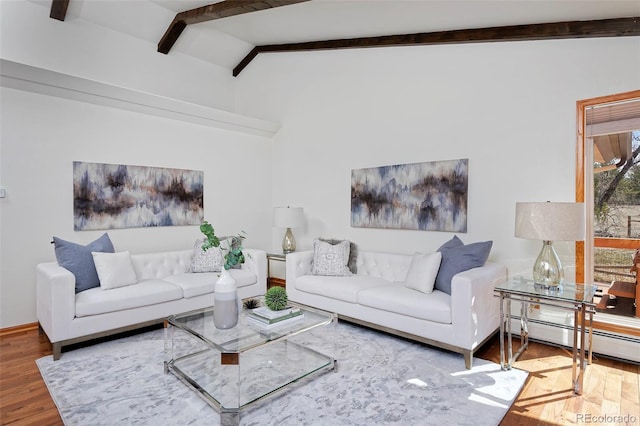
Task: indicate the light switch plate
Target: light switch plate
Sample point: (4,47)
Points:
(3,193)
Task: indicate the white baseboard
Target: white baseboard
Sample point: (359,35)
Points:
(604,343)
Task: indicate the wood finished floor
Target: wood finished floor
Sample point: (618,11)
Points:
(612,388)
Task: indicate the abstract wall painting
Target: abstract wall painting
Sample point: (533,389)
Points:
(429,196)
(113,196)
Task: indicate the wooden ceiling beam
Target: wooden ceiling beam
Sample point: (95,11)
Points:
(59,9)
(619,27)
(223,9)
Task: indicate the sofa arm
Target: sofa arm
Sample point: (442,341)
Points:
(55,299)
(474,309)
(256,261)
(298,264)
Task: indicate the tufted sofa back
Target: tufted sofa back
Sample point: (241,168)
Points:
(161,265)
(390,266)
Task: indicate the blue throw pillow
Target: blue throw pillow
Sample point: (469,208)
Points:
(454,242)
(79,261)
(458,258)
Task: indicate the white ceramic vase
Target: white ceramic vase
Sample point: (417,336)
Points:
(225,301)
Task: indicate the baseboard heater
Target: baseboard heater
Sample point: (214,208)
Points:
(596,332)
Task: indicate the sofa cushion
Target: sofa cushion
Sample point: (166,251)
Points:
(330,259)
(98,301)
(193,285)
(243,277)
(340,288)
(423,271)
(78,259)
(210,260)
(434,307)
(390,266)
(458,259)
(114,269)
(160,265)
(197,284)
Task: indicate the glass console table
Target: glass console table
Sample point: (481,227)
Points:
(574,297)
(235,368)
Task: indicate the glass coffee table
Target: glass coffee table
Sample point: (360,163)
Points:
(235,368)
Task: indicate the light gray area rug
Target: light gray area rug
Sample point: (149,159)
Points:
(381,379)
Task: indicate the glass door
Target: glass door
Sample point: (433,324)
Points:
(608,181)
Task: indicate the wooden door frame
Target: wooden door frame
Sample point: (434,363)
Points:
(581,126)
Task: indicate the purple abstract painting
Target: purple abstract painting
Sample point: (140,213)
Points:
(108,196)
(428,196)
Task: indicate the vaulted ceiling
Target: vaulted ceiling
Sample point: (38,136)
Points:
(230,41)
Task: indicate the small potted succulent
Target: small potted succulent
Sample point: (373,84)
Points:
(276,298)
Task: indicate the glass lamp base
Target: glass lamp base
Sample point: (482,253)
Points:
(288,242)
(547,271)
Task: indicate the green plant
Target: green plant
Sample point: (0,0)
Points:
(276,298)
(233,255)
(209,232)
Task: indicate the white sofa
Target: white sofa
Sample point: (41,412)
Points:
(377,297)
(165,287)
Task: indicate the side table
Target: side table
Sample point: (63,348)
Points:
(574,297)
(278,257)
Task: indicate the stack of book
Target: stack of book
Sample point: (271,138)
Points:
(266,318)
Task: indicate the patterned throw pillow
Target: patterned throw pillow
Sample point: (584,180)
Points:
(206,261)
(330,259)
(353,252)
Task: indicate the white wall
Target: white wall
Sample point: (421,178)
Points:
(41,136)
(510,108)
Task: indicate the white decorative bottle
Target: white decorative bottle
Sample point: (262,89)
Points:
(225,301)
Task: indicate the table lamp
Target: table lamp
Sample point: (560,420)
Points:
(549,222)
(288,217)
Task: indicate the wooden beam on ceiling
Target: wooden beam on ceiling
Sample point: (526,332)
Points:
(59,9)
(620,27)
(223,9)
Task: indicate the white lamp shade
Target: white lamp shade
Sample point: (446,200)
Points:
(550,221)
(287,217)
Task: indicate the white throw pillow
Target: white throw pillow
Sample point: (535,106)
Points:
(114,269)
(330,259)
(206,261)
(423,272)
